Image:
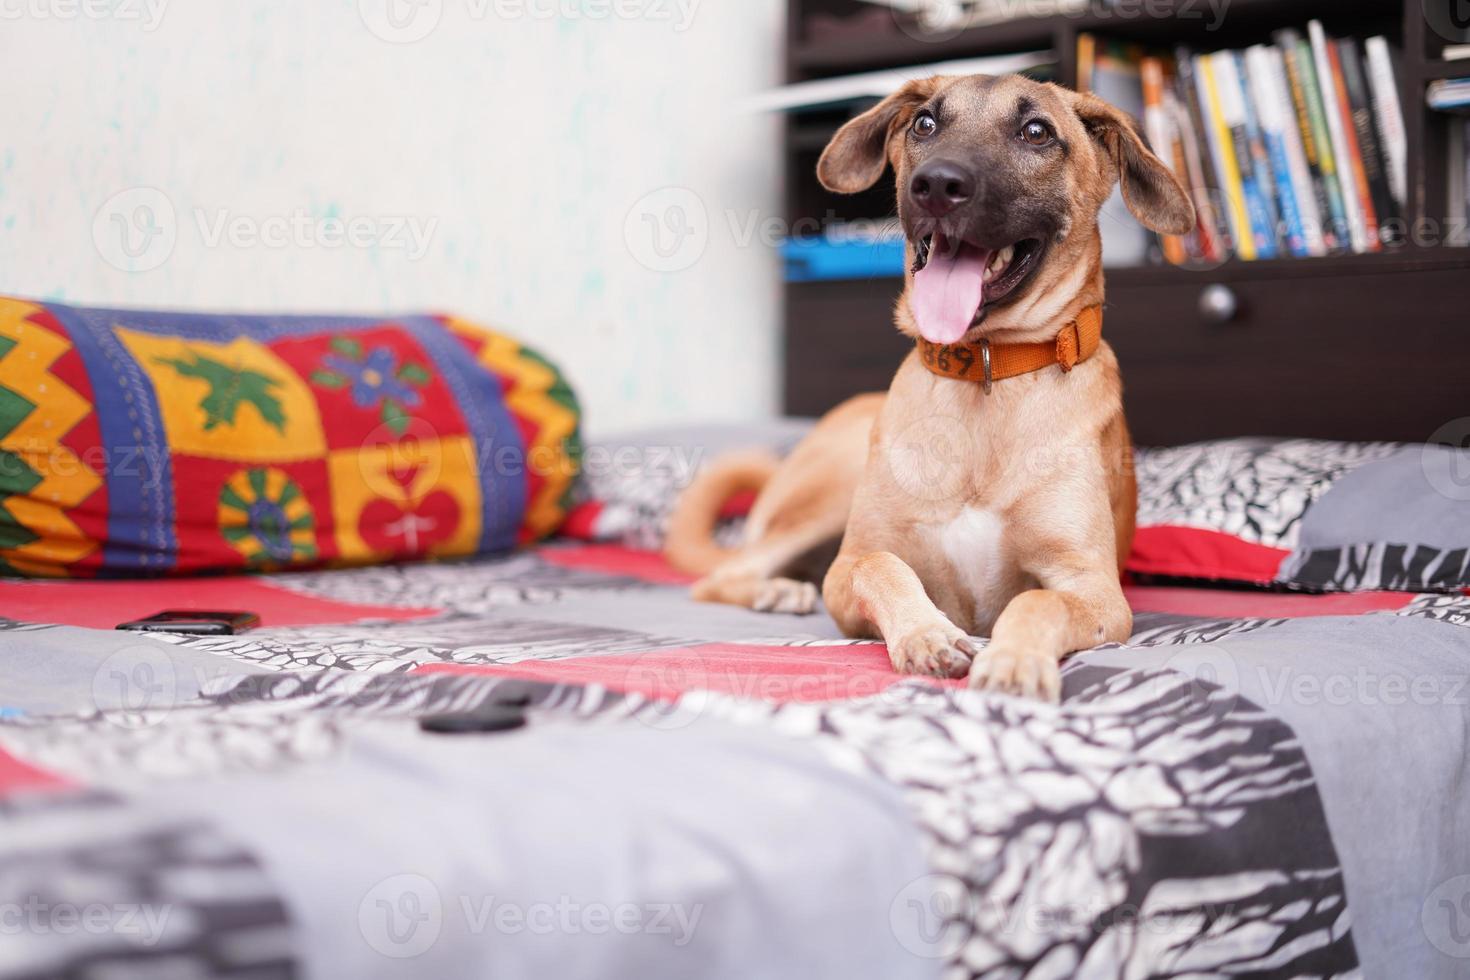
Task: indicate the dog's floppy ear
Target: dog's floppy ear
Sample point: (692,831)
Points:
(1150,189)
(855,158)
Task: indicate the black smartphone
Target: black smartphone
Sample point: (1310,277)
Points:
(195,621)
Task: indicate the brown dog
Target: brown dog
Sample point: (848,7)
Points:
(991,491)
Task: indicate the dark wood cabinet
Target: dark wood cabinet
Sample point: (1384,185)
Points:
(1374,355)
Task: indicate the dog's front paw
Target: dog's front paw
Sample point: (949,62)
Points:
(784,595)
(1032,675)
(938,651)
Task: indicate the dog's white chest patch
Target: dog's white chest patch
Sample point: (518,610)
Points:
(972,543)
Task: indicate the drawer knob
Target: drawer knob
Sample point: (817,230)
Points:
(1218,304)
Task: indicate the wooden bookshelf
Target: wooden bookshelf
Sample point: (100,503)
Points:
(1433,69)
(1351,295)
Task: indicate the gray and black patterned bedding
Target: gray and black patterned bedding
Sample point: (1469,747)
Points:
(1254,785)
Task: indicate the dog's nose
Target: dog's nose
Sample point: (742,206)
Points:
(940,186)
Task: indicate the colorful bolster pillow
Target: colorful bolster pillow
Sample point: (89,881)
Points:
(137,443)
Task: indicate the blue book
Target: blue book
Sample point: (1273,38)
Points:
(822,259)
(1449,94)
(1264,219)
(1271,118)
(1233,112)
(1301,73)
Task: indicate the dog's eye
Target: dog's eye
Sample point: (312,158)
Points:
(924,125)
(1036,133)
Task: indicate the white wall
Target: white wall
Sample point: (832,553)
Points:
(519,137)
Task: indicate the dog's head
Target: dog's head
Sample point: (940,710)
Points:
(999,184)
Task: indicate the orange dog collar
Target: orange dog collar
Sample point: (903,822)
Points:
(985,362)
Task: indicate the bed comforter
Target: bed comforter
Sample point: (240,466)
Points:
(1255,784)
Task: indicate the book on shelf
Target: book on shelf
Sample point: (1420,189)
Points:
(1449,94)
(1160,124)
(1370,147)
(1252,168)
(1301,74)
(1293,148)
(845,250)
(1114,75)
(1390,115)
(1086,56)
(1204,184)
(1459,174)
(1222,149)
(1299,215)
(1340,134)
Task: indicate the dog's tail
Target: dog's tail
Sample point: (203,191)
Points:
(690,545)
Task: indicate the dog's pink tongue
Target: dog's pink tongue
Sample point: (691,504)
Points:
(947,293)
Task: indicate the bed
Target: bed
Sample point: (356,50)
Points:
(508,754)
